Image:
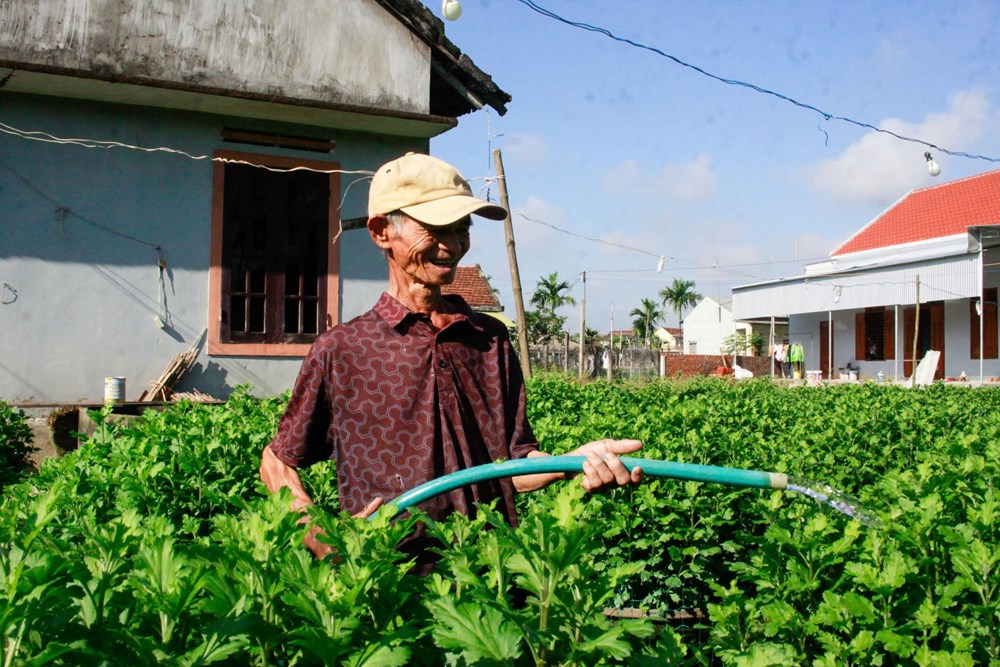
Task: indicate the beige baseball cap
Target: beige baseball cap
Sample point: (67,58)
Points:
(428,190)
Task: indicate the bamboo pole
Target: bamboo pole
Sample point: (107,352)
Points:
(515,276)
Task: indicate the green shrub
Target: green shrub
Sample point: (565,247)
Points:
(154,543)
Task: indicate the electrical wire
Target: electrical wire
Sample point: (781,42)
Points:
(587,238)
(45,137)
(62,212)
(754,87)
(691,264)
(924,285)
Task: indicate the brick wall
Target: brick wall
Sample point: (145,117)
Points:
(705,364)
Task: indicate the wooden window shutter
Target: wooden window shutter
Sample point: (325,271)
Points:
(889,333)
(859,336)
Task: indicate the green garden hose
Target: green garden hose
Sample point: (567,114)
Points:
(574,464)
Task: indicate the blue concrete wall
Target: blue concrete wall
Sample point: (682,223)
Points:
(79,284)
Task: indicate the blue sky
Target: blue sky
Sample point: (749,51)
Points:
(620,144)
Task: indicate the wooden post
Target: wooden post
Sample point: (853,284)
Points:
(515,276)
(565,352)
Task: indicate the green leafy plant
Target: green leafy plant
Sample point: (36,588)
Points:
(155,543)
(532,595)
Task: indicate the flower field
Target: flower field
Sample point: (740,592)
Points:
(155,543)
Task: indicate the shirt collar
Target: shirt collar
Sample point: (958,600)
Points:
(396,314)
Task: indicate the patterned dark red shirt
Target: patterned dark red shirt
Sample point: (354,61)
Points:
(397,403)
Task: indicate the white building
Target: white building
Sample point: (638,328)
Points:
(709,324)
(916,277)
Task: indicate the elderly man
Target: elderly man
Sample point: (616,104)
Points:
(419,386)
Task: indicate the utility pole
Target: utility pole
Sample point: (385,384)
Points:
(583,318)
(515,276)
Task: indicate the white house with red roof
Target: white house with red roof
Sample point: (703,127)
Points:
(922,273)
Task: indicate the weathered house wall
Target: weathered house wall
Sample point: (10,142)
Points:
(310,50)
(79,226)
(83,229)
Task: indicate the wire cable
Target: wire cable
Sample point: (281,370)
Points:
(45,137)
(754,87)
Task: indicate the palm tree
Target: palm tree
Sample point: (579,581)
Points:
(547,298)
(679,296)
(549,295)
(646,318)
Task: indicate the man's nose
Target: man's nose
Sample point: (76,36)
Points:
(451,238)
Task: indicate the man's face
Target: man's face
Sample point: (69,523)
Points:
(426,254)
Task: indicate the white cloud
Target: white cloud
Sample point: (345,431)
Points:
(689,181)
(879,169)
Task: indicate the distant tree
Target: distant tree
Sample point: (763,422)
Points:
(679,295)
(645,319)
(548,296)
(592,340)
(542,329)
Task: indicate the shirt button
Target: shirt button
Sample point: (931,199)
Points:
(443,364)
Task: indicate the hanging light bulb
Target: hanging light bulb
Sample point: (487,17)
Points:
(451,9)
(932,167)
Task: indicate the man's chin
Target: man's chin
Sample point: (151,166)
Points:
(444,276)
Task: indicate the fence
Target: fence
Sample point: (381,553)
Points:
(640,363)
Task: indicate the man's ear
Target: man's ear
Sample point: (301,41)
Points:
(378,229)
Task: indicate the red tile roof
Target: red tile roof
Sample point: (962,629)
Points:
(930,213)
(472,285)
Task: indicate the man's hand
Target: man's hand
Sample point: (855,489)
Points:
(603,469)
(320,549)
(369,509)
